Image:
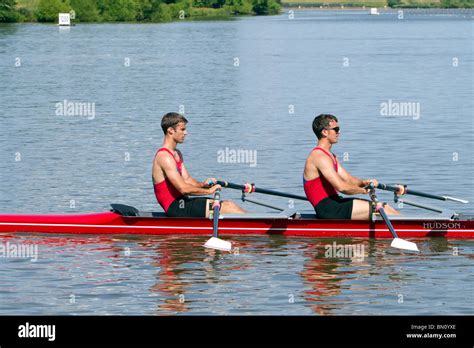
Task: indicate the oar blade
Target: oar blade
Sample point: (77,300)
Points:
(218,244)
(404,244)
(459,200)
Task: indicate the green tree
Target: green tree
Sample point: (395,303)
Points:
(266,7)
(211,3)
(86,10)
(48,10)
(240,6)
(7,11)
(457,3)
(274,7)
(144,9)
(393,3)
(117,10)
(161,13)
(178,8)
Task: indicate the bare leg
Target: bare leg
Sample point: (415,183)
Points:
(229,207)
(391,211)
(208,203)
(361,210)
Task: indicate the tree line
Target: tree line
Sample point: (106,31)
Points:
(131,10)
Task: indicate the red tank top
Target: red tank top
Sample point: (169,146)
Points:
(318,189)
(165,192)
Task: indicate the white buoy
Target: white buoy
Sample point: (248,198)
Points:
(373,11)
(64,20)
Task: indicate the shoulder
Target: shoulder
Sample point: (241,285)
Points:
(316,154)
(163,157)
(320,159)
(180,154)
(314,159)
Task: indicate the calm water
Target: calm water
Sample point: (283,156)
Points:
(252,84)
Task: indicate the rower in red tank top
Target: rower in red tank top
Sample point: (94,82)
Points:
(324,178)
(165,192)
(319,188)
(172,183)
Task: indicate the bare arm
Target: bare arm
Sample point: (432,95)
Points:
(347,177)
(326,167)
(189,179)
(352,179)
(168,166)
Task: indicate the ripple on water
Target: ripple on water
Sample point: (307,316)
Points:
(81,275)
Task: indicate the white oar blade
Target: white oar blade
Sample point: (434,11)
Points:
(403,244)
(219,244)
(456,199)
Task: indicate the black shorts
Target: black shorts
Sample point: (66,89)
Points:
(335,207)
(188,207)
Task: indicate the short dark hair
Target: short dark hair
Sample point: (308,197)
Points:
(321,122)
(171,119)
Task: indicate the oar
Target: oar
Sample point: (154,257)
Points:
(397,242)
(418,193)
(249,188)
(214,242)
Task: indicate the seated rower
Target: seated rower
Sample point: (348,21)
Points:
(324,177)
(171,181)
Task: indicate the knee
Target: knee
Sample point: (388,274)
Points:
(228,204)
(391,210)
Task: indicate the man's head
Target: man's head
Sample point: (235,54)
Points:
(326,126)
(174,125)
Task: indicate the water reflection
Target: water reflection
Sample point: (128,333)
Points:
(331,279)
(8,29)
(176,275)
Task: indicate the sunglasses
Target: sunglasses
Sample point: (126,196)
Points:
(336,129)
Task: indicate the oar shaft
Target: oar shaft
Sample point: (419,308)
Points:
(397,242)
(381,210)
(410,192)
(260,190)
(245,199)
(414,204)
(216,206)
(214,242)
(387,222)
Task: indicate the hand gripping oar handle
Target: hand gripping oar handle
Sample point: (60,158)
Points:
(249,188)
(407,191)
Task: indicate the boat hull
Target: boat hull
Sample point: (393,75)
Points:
(113,223)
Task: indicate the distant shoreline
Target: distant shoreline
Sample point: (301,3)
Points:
(139,11)
(286,6)
(388,4)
